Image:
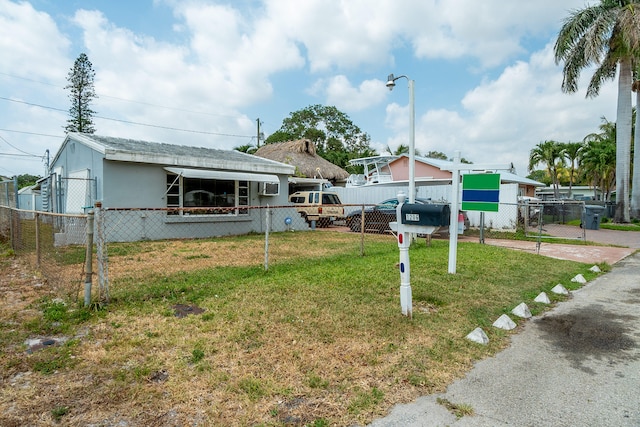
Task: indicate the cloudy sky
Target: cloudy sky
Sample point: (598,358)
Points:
(201,72)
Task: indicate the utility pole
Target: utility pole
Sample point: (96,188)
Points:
(46,171)
(259,134)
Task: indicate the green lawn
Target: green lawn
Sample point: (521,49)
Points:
(316,340)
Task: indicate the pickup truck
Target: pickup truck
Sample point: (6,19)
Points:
(323,207)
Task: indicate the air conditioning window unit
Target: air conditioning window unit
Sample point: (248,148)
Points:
(269,188)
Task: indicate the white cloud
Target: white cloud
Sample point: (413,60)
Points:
(221,60)
(491,31)
(30,42)
(334,33)
(341,93)
(503,119)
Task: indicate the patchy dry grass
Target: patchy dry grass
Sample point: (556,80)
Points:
(316,340)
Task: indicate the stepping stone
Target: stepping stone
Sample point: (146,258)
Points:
(478,336)
(504,322)
(522,310)
(560,290)
(543,298)
(579,278)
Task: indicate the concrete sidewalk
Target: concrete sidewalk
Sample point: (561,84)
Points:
(576,365)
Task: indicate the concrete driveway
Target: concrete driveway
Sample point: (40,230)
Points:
(626,242)
(576,365)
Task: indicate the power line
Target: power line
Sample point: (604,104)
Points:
(130,122)
(30,133)
(101,95)
(177,129)
(32,104)
(13,146)
(20,155)
(29,80)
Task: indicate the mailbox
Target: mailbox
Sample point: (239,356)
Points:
(433,215)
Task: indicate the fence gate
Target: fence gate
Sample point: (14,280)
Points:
(551,219)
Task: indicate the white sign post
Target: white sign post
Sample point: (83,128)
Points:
(455,200)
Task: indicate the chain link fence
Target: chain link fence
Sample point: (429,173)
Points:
(9,193)
(54,244)
(139,245)
(555,219)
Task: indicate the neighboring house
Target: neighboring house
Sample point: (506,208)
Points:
(125,173)
(385,176)
(29,198)
(308,164)
(437,169)
(578,192)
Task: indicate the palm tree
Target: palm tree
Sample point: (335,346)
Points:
(402,149)
(549,153)
(607,36)
(246,148)
(635,180)
(598,163)
(572,151)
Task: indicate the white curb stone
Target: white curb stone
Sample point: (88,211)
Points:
(559,289)
(579,279)
(595,269)
(504,322)
(543,298)
(522,310)
(478,336)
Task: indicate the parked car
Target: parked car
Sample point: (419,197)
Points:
(377,218)
(323,207)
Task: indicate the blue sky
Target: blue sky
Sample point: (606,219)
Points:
(201,72)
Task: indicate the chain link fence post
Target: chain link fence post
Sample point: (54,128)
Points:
(266,237)
(102,259)
(88,269)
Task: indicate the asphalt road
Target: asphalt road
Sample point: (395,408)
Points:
(576,365)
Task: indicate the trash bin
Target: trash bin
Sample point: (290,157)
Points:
(591,217)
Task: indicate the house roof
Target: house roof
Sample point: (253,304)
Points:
(505,176)
(301,153)
(130,150)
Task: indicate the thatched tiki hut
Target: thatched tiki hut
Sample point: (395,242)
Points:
(302,154)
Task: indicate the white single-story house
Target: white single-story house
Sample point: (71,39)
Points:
(191,191)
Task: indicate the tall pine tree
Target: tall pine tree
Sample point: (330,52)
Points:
(80,80)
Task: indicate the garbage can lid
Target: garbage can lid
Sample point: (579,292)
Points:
(594,207)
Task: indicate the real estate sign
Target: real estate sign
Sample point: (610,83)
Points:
(481,192)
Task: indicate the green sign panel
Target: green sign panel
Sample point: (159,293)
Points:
(481,192)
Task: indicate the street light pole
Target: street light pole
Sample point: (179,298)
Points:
(391,82)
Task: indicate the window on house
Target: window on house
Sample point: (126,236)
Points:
(208,196)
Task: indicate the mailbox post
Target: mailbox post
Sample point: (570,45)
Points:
(411,219)
(404,242)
